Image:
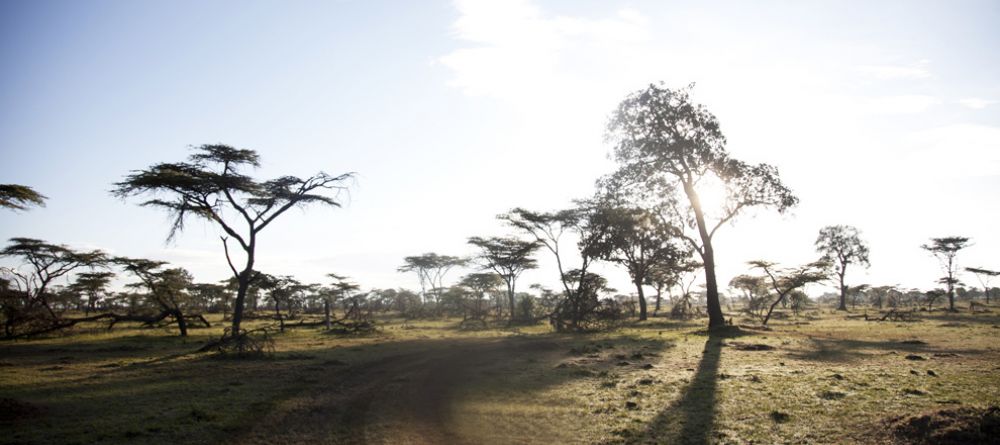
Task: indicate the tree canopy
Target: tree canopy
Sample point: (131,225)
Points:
(842,246)
(19,197)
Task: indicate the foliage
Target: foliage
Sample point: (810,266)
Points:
(842,246)
(19,197)
(636,239)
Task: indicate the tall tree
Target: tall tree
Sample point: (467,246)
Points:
(19,197)
(666,146)
(945,249)
(431,269)
(508,257)
(984,276)
(842,246)
(211,185)
(638,240)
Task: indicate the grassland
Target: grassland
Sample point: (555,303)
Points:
(819,378)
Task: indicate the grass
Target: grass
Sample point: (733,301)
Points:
(824,379)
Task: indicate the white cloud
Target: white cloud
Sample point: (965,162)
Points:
(903,104)
(519,53)
(896,72)
(976,103)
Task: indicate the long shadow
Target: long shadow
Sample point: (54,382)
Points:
(691,419)
(847,350)
(162,386)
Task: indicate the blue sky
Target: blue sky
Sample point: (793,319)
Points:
(884,116)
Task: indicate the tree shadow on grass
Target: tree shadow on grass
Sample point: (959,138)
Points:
(847,350)
(691,419)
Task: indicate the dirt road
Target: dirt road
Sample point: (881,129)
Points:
(400,398)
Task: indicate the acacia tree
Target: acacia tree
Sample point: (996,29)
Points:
(42,264)
(842,246)
(636,239)
(211,295)
(92,284)
(211,186)
(431,269)
(548,229)
(945,250)
(167,289)
(341,289)
(666,146)
(480,284)
(754,290)
(508,257)
(984,276)
(784,281)
(19,197)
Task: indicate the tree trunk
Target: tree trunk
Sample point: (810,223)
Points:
(843,288)
(510,297)
(716,318)
(241,295)
(326,313)
(767,317)
(181,322)
(244,285)
(281,320)
(642,300)
(659,297)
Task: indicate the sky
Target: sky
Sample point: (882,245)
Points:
(880,115)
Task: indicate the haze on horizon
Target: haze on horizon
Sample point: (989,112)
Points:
(885,117)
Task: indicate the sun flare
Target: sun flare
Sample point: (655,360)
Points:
(712,192)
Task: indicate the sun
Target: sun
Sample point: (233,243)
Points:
(712,192)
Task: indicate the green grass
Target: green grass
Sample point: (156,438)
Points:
(827,379)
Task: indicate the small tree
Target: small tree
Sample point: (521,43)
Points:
(548,229)
(211,184)
(19,197)
(508,257)
(984,276)
(636,239)
(92,284)
(667,146)
(481,285)
(842,246)
(784,281)
(754,290)
(167,289)
(945,250)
